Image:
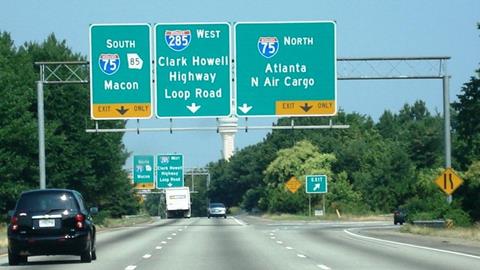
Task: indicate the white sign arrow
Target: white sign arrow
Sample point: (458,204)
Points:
(316,187)
(245,108)
(170,184)
(193,108)
(134,61)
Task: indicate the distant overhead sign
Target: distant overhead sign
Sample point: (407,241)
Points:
(120,71)
(143,172)
(169,171)
(193,70)
(316,184)
(449,181)
(285,69)
(293,184)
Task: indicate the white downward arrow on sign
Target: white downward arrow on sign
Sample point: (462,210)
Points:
(170,184)
(245,108)
(193,108)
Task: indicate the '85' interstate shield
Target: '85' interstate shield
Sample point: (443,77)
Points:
(178,40)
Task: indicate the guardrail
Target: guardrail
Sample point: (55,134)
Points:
(437,223)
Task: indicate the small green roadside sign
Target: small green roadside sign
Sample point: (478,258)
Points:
(285,69)
(193,70)
(143,172)
(169,171)
(120,71)
(316,184)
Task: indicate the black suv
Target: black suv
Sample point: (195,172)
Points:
(51,222)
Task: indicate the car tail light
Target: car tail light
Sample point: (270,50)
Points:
(14,223)
(79,219)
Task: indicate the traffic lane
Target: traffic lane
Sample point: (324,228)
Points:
(115,248)
(339,250)
(219,244)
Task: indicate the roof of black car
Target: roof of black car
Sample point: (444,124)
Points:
(48,190)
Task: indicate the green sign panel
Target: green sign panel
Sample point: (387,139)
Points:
(120,71)
(169,171)
(316,184)
(285,69)
(193,71)
(143,172)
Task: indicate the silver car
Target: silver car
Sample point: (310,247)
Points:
(217,210)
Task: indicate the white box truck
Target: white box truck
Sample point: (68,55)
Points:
(178,202)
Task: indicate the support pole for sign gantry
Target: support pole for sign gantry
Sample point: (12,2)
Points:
(41,135)
(446,119)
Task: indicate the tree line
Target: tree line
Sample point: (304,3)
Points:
(89,163)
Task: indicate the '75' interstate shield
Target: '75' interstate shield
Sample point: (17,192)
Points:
(109,63)
(268,46)
(178,40)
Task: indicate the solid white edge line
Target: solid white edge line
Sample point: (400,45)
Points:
(130,267)
(414,246)
(324,267)
(238,221)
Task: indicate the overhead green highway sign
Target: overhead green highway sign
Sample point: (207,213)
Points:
(285,69)
(316,184)
(169,171)
(193,70)
(120,71)
(143,172)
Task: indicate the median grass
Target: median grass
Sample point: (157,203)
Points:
(3,236)
(468,233)
(329,217)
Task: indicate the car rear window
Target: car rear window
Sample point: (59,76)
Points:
(46,201)
(213,205)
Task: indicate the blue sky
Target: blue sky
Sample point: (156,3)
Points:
(366,28)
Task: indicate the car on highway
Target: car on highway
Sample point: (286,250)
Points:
(217,210)
(51,222)
(399,217)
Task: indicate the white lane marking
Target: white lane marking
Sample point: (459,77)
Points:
(289,248)
(174,234)
(158,247)
(272,234)
(180,230)
(301,256)
(130,267)
(273,237)
(169,238)
(240,222)
(147,256)
(279,242)
(164,242)
(324,267)
(414,246)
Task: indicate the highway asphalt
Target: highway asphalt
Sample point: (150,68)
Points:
(251,243)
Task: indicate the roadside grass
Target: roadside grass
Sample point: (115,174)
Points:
(467,233)
(3,236)
(109,223)
(329,217)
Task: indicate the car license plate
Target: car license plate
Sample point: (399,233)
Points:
(46,223)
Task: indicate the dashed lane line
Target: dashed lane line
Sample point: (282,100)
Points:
(131,267)
(279,242)
(324,267)
(147,256)
(301,256)
(289,248)
(158,247)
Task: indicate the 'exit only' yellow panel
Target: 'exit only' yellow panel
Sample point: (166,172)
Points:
(305,107)
(125,110)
